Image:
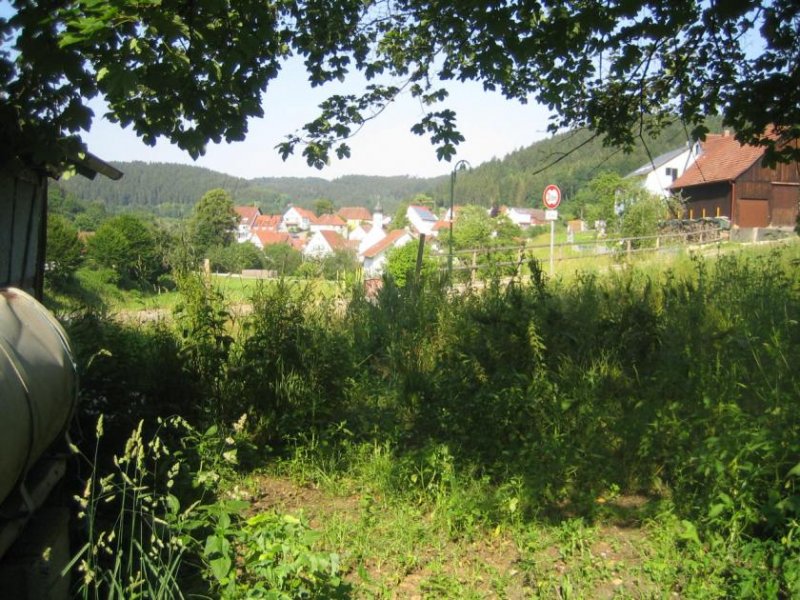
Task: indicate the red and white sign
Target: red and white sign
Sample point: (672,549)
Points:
(551,197)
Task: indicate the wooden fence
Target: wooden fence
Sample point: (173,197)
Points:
(511,258)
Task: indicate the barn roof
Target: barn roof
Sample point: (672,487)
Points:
(723,159)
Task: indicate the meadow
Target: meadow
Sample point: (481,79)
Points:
(627,433)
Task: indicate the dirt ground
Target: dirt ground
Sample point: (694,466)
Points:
(606,560)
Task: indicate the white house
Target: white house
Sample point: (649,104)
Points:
(659,174)
(298,218)
(247,218)
(324,243)
(374,257)
(360,232)
(375,233)
(421,219)
(524,217)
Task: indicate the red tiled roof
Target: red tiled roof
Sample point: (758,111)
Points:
(267,238)
(267,222)
(306,214)
(384,244)
(442,224)
(354,213)
(247,213)
(332,220)
(723,159)
(335,241)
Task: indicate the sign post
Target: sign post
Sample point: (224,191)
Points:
(551,198)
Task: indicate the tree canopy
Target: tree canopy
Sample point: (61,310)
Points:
(194,73)
(214,220)
(127,244)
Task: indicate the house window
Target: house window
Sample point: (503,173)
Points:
(672,173)
(718,212)
(691,213)
(704,213)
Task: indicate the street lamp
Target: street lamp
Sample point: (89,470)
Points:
(462,164)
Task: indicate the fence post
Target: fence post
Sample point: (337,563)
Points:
(420,250)
(658,242)
(473,270)
(628,244)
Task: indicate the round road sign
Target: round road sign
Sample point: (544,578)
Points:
(551,197)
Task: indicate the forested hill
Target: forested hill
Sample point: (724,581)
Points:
(171,190)
(569,160)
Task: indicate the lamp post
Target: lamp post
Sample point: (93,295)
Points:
(462,164)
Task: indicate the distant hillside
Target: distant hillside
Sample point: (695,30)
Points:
(171,190)
(569,160)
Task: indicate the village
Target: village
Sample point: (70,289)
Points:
(717,180)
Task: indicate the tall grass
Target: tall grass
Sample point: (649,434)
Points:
(532,399)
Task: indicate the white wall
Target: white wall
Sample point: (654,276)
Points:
(658,182)
(317,247)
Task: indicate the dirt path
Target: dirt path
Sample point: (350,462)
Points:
(398,551)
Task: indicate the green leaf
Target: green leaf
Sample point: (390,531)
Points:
(689,532)
(173,504)
(220,567)
(212,546)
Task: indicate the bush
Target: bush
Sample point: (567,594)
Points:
(401,263)
(235,258)
(282,258)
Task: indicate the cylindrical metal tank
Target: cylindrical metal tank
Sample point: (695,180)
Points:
(38,384)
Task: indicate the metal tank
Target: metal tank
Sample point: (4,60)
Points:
(38,384)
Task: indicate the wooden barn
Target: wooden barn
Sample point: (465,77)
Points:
(23,219)
(728,180)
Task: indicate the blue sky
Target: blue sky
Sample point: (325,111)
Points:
(492,125)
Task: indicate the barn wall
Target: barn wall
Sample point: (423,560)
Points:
(785,199)
(715,199)
(23,204)
(752,213)
(776,188)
